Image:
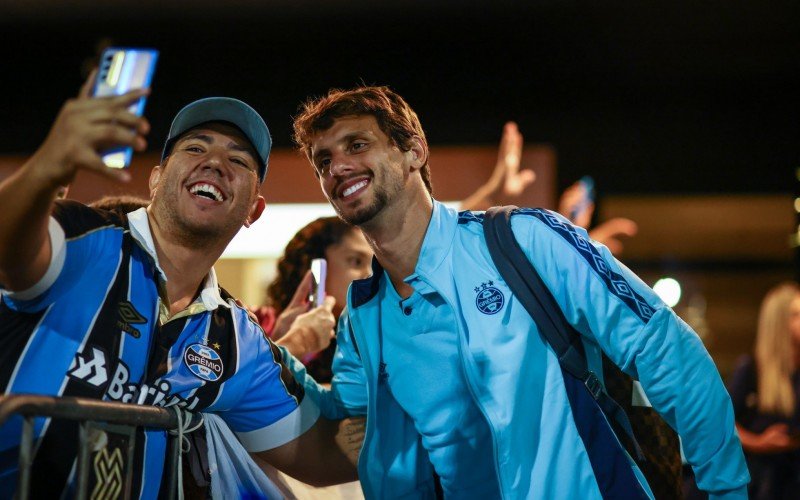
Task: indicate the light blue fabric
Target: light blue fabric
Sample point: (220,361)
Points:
(515,378)
(420,352)
(234,474)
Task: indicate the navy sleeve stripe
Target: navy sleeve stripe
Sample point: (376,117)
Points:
(615,282)
(468,216)
(77,219)
(293,388)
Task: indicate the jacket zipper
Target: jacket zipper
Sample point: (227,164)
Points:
(472,392)
(371,410)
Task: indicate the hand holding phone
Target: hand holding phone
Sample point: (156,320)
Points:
(586,184)
(319,270)
(121,70)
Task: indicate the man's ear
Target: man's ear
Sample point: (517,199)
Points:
(418,152)
(155,176)
(255,211)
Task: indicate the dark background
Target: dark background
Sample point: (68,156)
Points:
(647,97)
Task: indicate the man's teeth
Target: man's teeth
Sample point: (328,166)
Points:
(355,187)
(206,190)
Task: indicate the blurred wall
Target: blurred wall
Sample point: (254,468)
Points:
(456,173)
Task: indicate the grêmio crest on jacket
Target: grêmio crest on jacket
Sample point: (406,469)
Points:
(489,299)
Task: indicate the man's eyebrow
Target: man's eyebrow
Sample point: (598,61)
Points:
(238,147)
(233,146)
(197,135)
(318,153)
(358,134)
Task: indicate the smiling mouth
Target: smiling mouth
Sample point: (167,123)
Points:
(355,188)
(208,191)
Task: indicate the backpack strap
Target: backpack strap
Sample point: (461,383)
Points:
(528,287)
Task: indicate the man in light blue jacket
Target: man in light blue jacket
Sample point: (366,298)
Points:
(462,395)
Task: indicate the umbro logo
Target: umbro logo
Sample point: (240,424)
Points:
(129,315)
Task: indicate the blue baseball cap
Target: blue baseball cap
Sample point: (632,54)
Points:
(228,110)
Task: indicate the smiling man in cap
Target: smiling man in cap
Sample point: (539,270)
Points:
(127,307)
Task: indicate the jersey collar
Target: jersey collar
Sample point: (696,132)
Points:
(210,297)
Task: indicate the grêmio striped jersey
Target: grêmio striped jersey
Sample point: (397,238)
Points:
(95,326)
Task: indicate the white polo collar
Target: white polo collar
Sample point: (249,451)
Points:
(139,224)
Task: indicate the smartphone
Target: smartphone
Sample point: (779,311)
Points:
(121,70)
(319,270)
(588,197)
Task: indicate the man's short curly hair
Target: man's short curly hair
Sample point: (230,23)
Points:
(307,244)
(395,118)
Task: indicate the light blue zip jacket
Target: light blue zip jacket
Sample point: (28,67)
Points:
(515,378)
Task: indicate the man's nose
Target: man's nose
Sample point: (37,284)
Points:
(340,165)
(214,162)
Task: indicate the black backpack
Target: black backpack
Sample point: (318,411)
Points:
(657,448)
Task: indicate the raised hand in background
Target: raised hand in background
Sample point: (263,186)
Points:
(507,179)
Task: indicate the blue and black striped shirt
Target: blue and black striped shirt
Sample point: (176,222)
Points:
(95,326)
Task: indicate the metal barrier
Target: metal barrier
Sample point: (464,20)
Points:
(92,414)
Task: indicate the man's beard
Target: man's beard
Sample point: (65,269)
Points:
(366,214)
(183,230)
(188,231)
(386,185)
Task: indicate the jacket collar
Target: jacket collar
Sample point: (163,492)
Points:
(438,239)
(435,247)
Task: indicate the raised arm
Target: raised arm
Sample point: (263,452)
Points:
(507,179)
(84,127)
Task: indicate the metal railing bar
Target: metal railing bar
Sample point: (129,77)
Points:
(25,459)
(82,485)
(172,467)
(87,409)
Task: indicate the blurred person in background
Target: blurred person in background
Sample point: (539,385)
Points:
(348,256)
(310,338)
(765,389)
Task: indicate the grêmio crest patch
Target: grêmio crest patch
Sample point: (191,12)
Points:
(489,300)
(203,361)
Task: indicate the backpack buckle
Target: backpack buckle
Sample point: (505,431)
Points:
(593,384)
